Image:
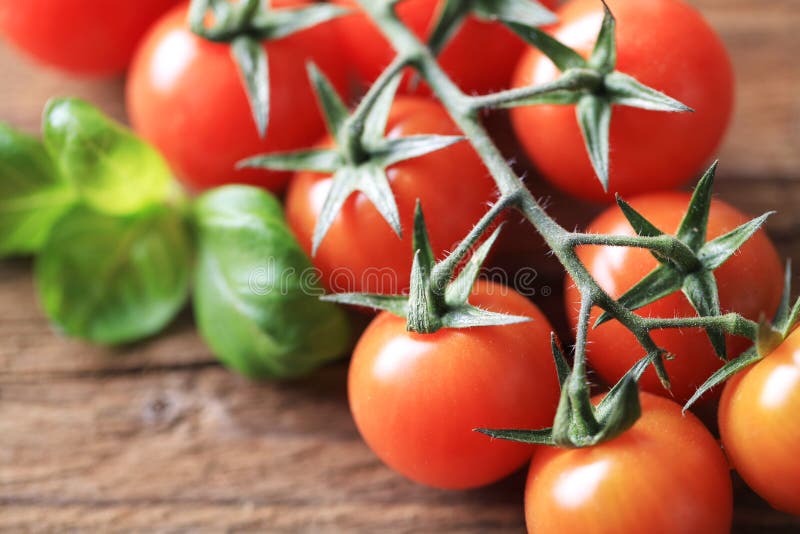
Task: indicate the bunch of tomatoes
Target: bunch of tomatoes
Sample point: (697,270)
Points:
(416,398)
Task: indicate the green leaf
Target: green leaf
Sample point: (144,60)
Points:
(467,316)
(525,12)
(594,117)
(331,104)
(786,297)
(392,151)
(114,279)
(642,226)
(394,304)
(693,228)
(374,183)
(660,283)
(275,24)
(251,58)
(114,171)
(625,90)
(315,160)
(421,242)
(718,251)
(562,367)
(621,411)
(604,55)
(729,370)
(33,193)
(450,17)
(701,290)
(561,55)
(531,437)
(378,116)
(458,291)
(343,184)
(256,292)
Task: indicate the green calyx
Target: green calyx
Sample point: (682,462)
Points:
(594,86)
(362,154)
(438,298)
(691,264)
(578,422)
(245,25)
(769,336)
(452,13)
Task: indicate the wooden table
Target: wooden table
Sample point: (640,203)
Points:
(158,435)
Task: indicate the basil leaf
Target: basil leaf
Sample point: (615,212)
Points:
(33,194)
(115,171)
(256,294)
(115,279)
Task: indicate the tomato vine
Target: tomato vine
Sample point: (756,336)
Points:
(594,87)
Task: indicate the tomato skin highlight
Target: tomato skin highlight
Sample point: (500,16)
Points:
(679,54)
(417,398)
(185,95)
(760,427)
(480,58)
(83,37)
(749,283)
(665,475)
(361,253)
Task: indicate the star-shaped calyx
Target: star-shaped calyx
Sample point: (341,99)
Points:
(770,335)
(593,85)
(438,297)
(452,13)
(691,265)
(245,25)
(362,154)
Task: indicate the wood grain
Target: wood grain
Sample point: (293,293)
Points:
(159,437)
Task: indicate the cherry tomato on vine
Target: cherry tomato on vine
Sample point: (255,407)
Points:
(480,58)
(666,475)
(417,398)
(750,283)
(185,95)
(665,44)
(85,37)
(760,426)
(360,252)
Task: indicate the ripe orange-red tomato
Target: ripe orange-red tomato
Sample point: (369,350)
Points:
(666,475)
(85,37)
(759,419)
(749,283)
(361,253)
(665,44)
(417,398)
(186,96)
(480,58)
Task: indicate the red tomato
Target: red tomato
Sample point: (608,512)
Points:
(749,283)
(678,54)
(666,475)
(87,37)
(480,58)
(760,427)
(361,252)
(417,398)
(186,96)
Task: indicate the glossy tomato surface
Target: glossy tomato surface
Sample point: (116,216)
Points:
(666,475)
(186,96)
(85,37)
(760,425)
(665,44)
(361,252)
(480,58)
(750,283)
(417,398)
